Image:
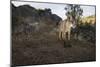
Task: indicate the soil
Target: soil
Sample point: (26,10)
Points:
(36,49)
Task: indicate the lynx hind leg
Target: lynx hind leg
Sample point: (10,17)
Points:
(64,36)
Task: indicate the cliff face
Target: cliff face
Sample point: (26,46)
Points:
(25,18)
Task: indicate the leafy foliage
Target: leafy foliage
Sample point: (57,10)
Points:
(75,11)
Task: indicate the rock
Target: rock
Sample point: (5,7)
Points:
(26,18)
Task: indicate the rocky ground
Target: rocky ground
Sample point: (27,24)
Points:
(40,48)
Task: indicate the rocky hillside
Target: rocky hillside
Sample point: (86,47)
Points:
(26,18)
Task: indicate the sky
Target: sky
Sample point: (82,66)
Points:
(56,8)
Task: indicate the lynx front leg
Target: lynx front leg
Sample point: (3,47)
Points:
(64,36)
(60,35)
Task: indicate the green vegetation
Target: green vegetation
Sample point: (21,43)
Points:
(75,11)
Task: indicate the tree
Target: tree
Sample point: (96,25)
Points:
(48,10)
(75,11)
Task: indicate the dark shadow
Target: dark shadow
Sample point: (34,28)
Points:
(67,44)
